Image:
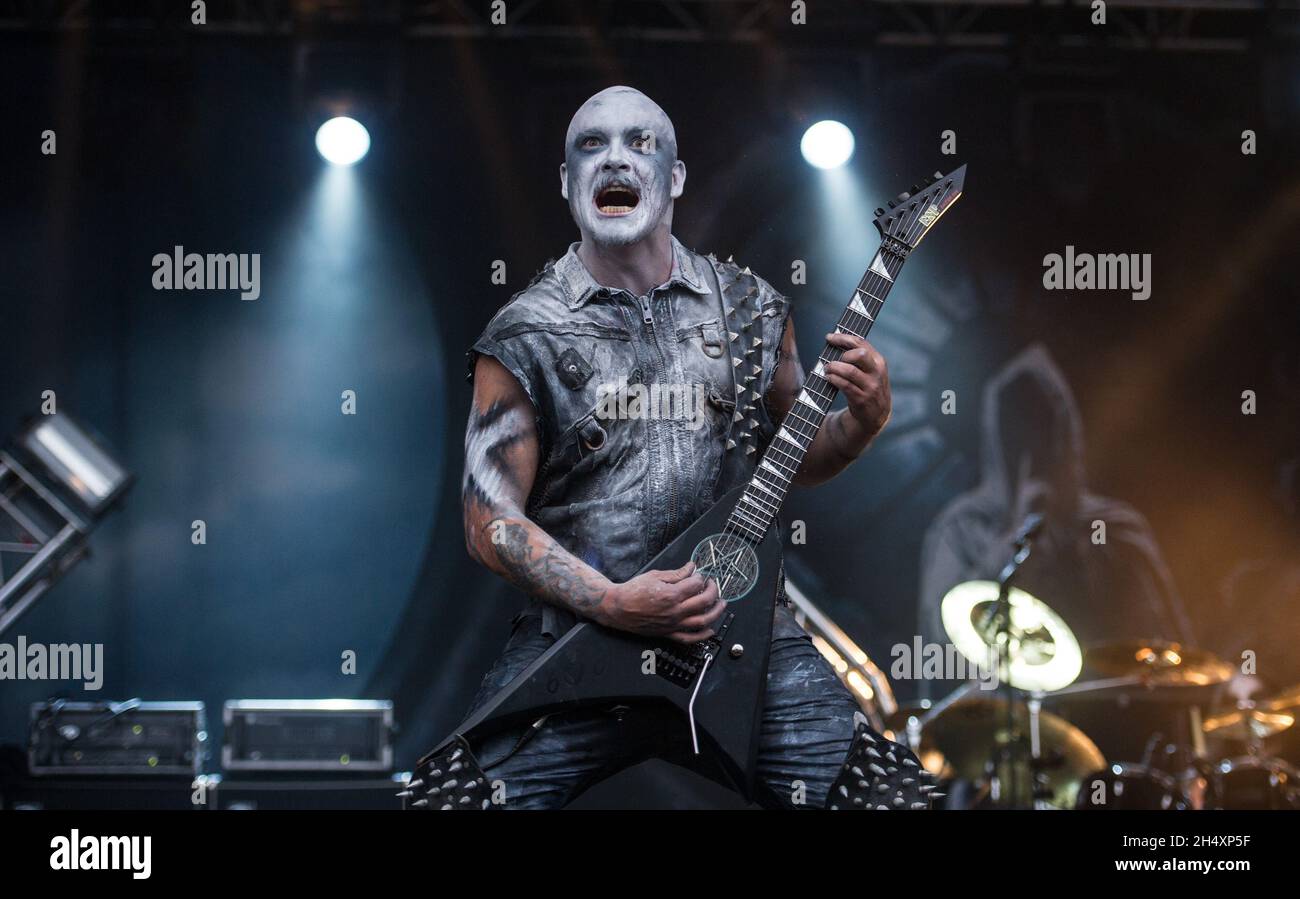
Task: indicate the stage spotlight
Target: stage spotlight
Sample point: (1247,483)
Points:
(342,141)
(74,459)
(47,534)
(827,144)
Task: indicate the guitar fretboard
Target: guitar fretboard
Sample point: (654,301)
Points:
(762,499)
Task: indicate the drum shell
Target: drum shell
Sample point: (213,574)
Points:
(1129,786)
(1250,782)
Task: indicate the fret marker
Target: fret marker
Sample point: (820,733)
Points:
(785,435)
(878,266)
(857,306)
(819,370)
(772,468)
(806,398)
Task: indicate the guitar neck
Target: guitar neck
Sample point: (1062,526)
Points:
(776,471)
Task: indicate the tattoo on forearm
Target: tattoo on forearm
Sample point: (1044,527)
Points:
(547,570)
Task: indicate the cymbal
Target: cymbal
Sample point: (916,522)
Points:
(969,733)
(1043,651)
(1160,662)
(1287,700)
(1245,723)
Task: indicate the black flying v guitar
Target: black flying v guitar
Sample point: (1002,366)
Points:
(719,683)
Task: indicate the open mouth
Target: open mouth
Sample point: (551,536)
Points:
(616,200)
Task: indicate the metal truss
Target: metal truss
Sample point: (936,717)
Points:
(1135,25)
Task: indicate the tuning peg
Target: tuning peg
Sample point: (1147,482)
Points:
(880,211)
(937,176)
(916,188)
(903,197)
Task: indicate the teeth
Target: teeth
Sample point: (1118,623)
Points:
(616,210)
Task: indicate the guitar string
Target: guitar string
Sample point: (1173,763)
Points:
(807,428)
(734,527)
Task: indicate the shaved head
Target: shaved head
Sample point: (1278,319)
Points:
(625,99)
(621,173)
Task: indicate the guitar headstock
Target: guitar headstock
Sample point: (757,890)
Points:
(910,216)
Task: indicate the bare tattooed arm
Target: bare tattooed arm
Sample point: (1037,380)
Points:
(501,459)
(862,376)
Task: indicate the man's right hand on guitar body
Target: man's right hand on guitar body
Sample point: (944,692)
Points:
(681,605)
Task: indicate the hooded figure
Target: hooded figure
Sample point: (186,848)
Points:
(1031,459)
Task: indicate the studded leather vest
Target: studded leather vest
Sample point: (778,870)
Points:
(648,408)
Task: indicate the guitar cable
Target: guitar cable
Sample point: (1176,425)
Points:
(519,744)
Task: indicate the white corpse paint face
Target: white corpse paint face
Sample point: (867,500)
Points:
(621,172)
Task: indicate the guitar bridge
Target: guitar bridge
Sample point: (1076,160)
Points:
(680,664)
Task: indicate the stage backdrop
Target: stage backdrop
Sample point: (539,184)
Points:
(329,532)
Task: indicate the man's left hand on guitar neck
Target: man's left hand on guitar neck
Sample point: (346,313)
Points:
(862,376)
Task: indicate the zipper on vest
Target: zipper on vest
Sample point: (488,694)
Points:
(668,442)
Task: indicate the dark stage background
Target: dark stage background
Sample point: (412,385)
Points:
(329,533)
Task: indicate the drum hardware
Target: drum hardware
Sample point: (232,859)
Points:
(1008,750)
(1050,774)
(1035,652)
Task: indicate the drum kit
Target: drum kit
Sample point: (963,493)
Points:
(1015,748)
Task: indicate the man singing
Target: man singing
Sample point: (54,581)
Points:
(568,503)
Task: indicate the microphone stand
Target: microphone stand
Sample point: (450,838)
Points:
(1000,618)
